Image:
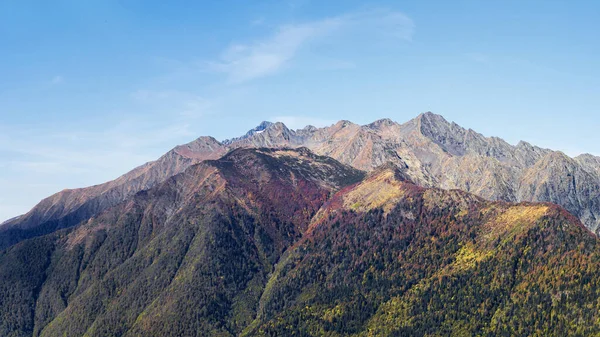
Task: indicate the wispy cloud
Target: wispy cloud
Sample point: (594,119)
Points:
(130,134)
(243,62)
(299,122)
(131,142)
(75,157)
(246,62)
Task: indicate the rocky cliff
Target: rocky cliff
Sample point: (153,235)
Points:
(434,152)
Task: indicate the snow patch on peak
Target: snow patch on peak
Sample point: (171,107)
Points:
(260,128)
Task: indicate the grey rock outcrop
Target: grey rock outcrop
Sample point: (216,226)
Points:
(431,151)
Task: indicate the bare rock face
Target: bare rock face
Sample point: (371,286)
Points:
(437,153)
(564,181)
(431,151)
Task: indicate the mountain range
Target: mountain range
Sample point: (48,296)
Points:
(434,152)
(286,242)
(416,229)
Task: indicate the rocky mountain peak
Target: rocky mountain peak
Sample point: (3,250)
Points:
(260,128)
(429,121)
(200,147)
(437,153)
(254,234)
(588,156)
(430,116)
(272,135)
(450,136)
(381,123)
(279,126)
(309,128)
(263,125)
(343,124)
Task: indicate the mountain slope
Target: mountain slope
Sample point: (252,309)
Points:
(266,242)
(179,258)
(69,207)
(434,152)
(437,153)
(434,263)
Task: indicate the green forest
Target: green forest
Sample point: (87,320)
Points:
(264,243)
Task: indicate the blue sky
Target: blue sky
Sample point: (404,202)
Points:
(91,89)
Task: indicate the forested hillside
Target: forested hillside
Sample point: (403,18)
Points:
(284,242)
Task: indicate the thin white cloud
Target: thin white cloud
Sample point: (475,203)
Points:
(244,62)
(76,158)
(299,122)
(130,143)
